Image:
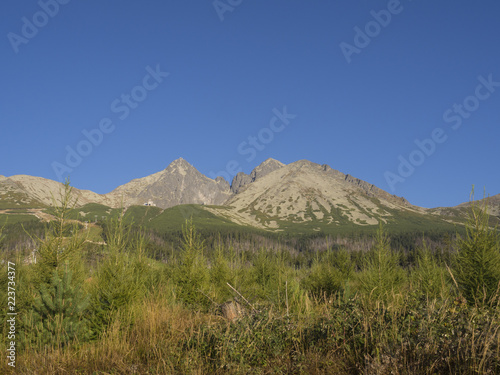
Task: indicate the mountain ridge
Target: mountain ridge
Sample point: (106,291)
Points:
(306,192)
(272,196)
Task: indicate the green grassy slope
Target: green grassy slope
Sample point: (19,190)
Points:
(13,218)
(15,199)
(334,222)
(92,212)
(173,218)
(337,221)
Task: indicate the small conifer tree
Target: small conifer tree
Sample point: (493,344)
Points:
(58,312)
(476,267)
(382,273)
(221,273)
(120,278)
(63,242)
(330,273)
(428,277)
(57,301)
(191,274)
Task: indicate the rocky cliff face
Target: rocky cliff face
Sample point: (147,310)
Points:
(268,166)
(369,189)
(179,183)
(239,181)
(243,179)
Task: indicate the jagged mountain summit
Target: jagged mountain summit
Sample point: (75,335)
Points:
(179,183)
(242,179)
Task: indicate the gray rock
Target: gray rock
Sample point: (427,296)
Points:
(242,179)
(239,181)
(180,183)
(266,167)
(326,168)
(221,181)
(373,191)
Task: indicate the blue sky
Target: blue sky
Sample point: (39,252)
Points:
(402,94)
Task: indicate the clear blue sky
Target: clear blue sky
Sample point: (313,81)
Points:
(360,101)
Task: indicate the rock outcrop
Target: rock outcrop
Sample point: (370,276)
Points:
(239,181)
(179,183)
(263,169)
(266,167)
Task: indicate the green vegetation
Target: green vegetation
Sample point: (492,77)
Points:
(57,314)
(381,275)
(477,264)
(142,215)
(334,220)
(116,297)
(90,212)
(173,218)
(11,218)
(16,200)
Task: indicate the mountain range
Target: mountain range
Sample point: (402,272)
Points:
(274,196)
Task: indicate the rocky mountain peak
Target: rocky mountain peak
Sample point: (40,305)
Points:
(239,181)
(222,183)
(305,163)
(271,161)
(179,183)
(266,167)
(180,166)
(304,191)
(242,179)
